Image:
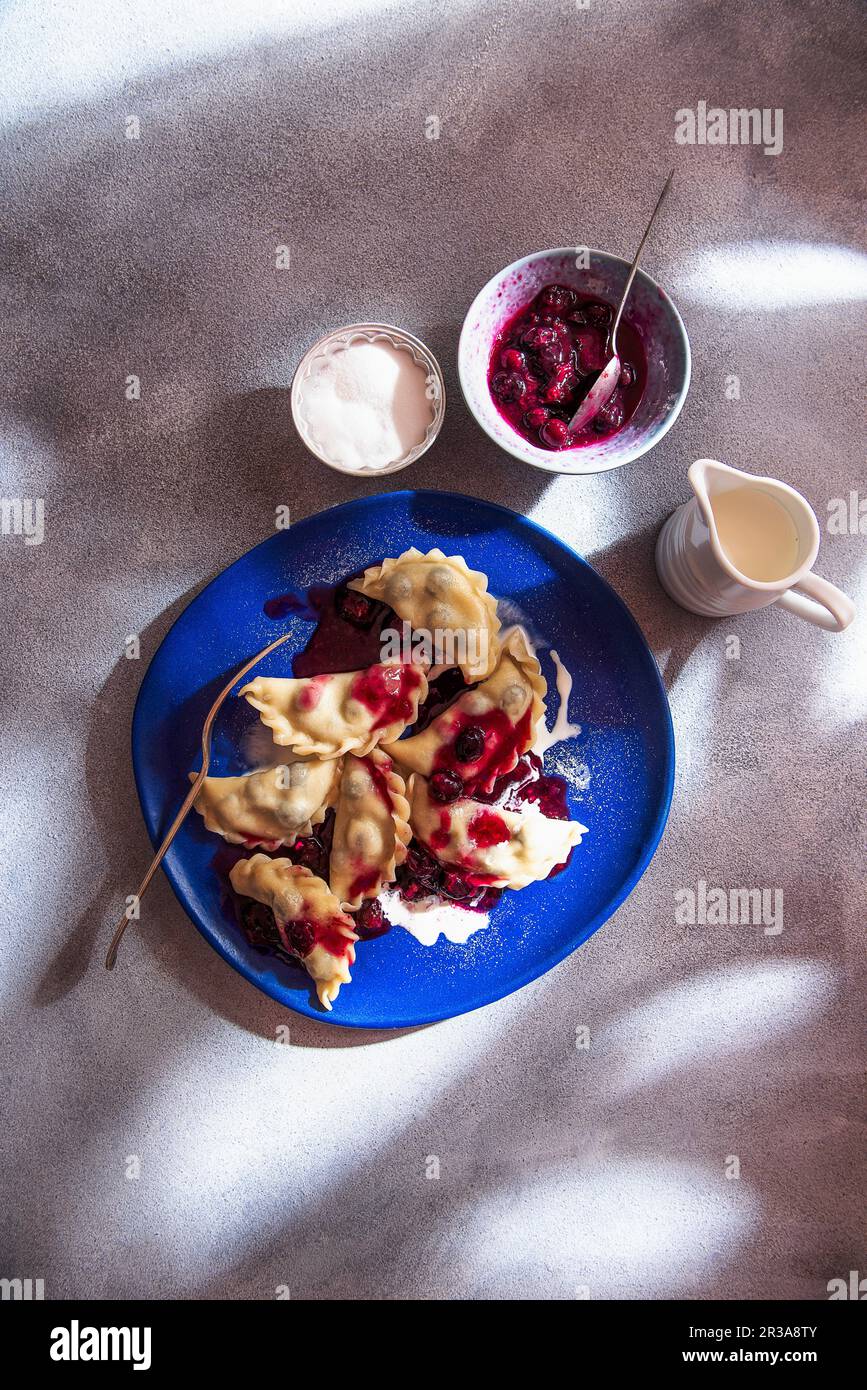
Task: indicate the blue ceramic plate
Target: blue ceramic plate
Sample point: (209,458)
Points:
(618,699)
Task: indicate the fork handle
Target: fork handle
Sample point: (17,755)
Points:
(111,954)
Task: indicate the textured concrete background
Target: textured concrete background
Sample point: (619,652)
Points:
(304,1165)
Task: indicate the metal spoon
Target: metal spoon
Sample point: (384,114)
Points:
(191,795)
(602,389)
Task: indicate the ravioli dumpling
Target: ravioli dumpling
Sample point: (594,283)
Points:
(332,714)
(503,849)
(272,807)
(485,731)
(371,828)
(309,920)
(438,593)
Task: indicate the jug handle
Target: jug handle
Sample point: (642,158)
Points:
(818,602)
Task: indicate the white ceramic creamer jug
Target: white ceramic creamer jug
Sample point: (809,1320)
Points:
(744,542)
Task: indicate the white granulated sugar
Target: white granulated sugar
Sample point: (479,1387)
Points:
(366,405)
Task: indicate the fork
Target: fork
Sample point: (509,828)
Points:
(111,954)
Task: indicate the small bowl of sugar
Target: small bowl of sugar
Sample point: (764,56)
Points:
(368,398)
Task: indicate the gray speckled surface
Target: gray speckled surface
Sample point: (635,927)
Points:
(305,1165)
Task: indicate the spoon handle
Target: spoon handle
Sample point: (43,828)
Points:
(631,276)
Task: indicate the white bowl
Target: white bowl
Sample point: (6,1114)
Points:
(648,309)
(370,333)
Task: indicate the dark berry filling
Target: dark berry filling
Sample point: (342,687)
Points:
(421,869)
(347,633)
(300,935)
(470,745)
(441,693)
(557,299)
(356,608)
(446,786)
(610,417)
(480,748)
(422,876)
(547,356)
(258,925)
(292,941)
(314,851)
(370,920)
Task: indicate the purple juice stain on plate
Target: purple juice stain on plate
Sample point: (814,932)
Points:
(284,605)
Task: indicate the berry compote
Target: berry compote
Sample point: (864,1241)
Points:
(423,876)
(547,356)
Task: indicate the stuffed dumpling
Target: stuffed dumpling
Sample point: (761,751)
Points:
(308,919)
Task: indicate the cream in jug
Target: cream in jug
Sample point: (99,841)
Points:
(744,542)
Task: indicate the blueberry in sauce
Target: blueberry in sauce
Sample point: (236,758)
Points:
(370,920)
(470,745)
(610,417)
(301,936)
(446,786)
(258,923)
(423,876)
(455,886)
(538,338)
(547,356)
(420,874)
(550,358)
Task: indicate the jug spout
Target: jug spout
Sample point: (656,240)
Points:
(707,477)
(760,530)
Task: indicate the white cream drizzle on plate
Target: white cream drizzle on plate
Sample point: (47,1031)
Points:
(428,923)
(562,729)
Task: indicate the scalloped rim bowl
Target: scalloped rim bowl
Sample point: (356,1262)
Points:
(369,333)
(648,308)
